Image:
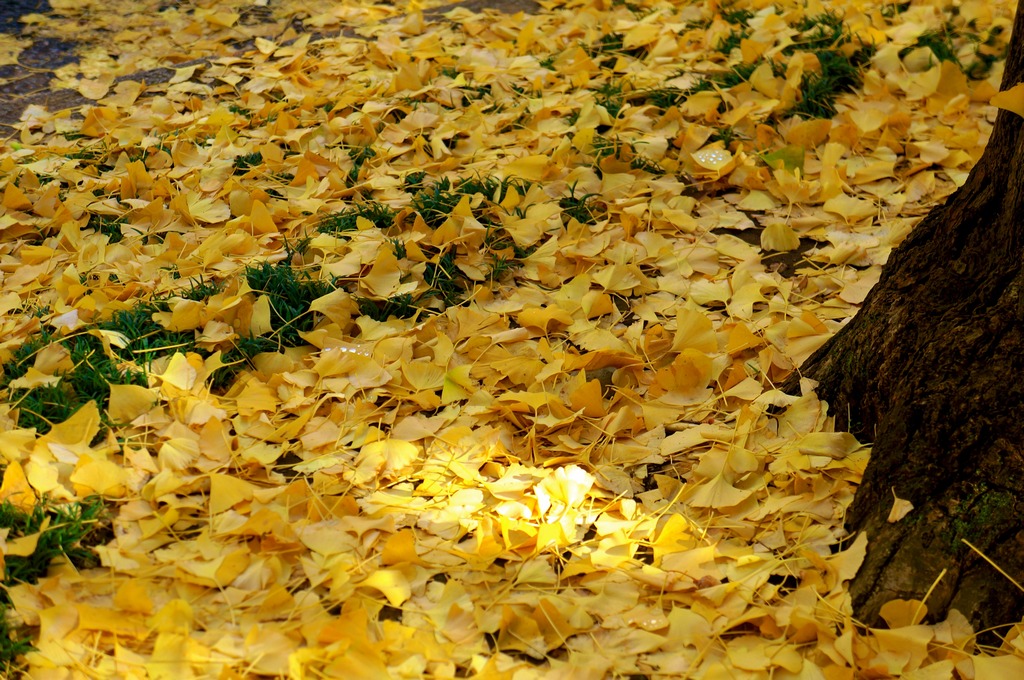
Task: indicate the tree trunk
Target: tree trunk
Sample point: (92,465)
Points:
(932,370)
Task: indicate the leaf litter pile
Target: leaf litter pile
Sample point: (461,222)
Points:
(450,348)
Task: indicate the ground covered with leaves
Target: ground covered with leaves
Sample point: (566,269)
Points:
(450,347)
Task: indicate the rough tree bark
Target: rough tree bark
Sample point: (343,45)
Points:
(932,371)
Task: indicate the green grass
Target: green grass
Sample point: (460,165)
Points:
(435,202)
(585,209)
(819,32)
(413,182)
(444,283)
(359,156)
(732,41)
(839,74)
(90,378)
(379,214)
(71,531)
(611,97)
(245,162)
(401,307)
(605,147)
(824,35)
(202,289)
(291,292)
(111,226)
(95,367)
(664,97)
(726,134)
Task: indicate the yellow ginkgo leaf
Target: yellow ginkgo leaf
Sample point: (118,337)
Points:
(1011,100)
(714,159)
(779,236)
(128,402)
(392,583)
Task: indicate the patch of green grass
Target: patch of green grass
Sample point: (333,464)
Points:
(14,644)
(839,74)
(611,97)
(72,531)
(380,215)
(436,202)
(398,248)
(732,41)
(44,406)
(401,307)
(413,182)
(726,134)
(891,9)
(585,209)
(239,110)
(111,226)
(93,372)
(604,147)
(245,162)
(359,156)
(940,42)
(823,35)
(445,280)
(733,15)
(290,292)
(610,46)
(609,43)
(819,32)
(202,289)
(146,338)
(664,97)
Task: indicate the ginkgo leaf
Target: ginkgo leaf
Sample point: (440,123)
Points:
(779,236)
(1010,100)
(393,583)
(831,444)
(713,159)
